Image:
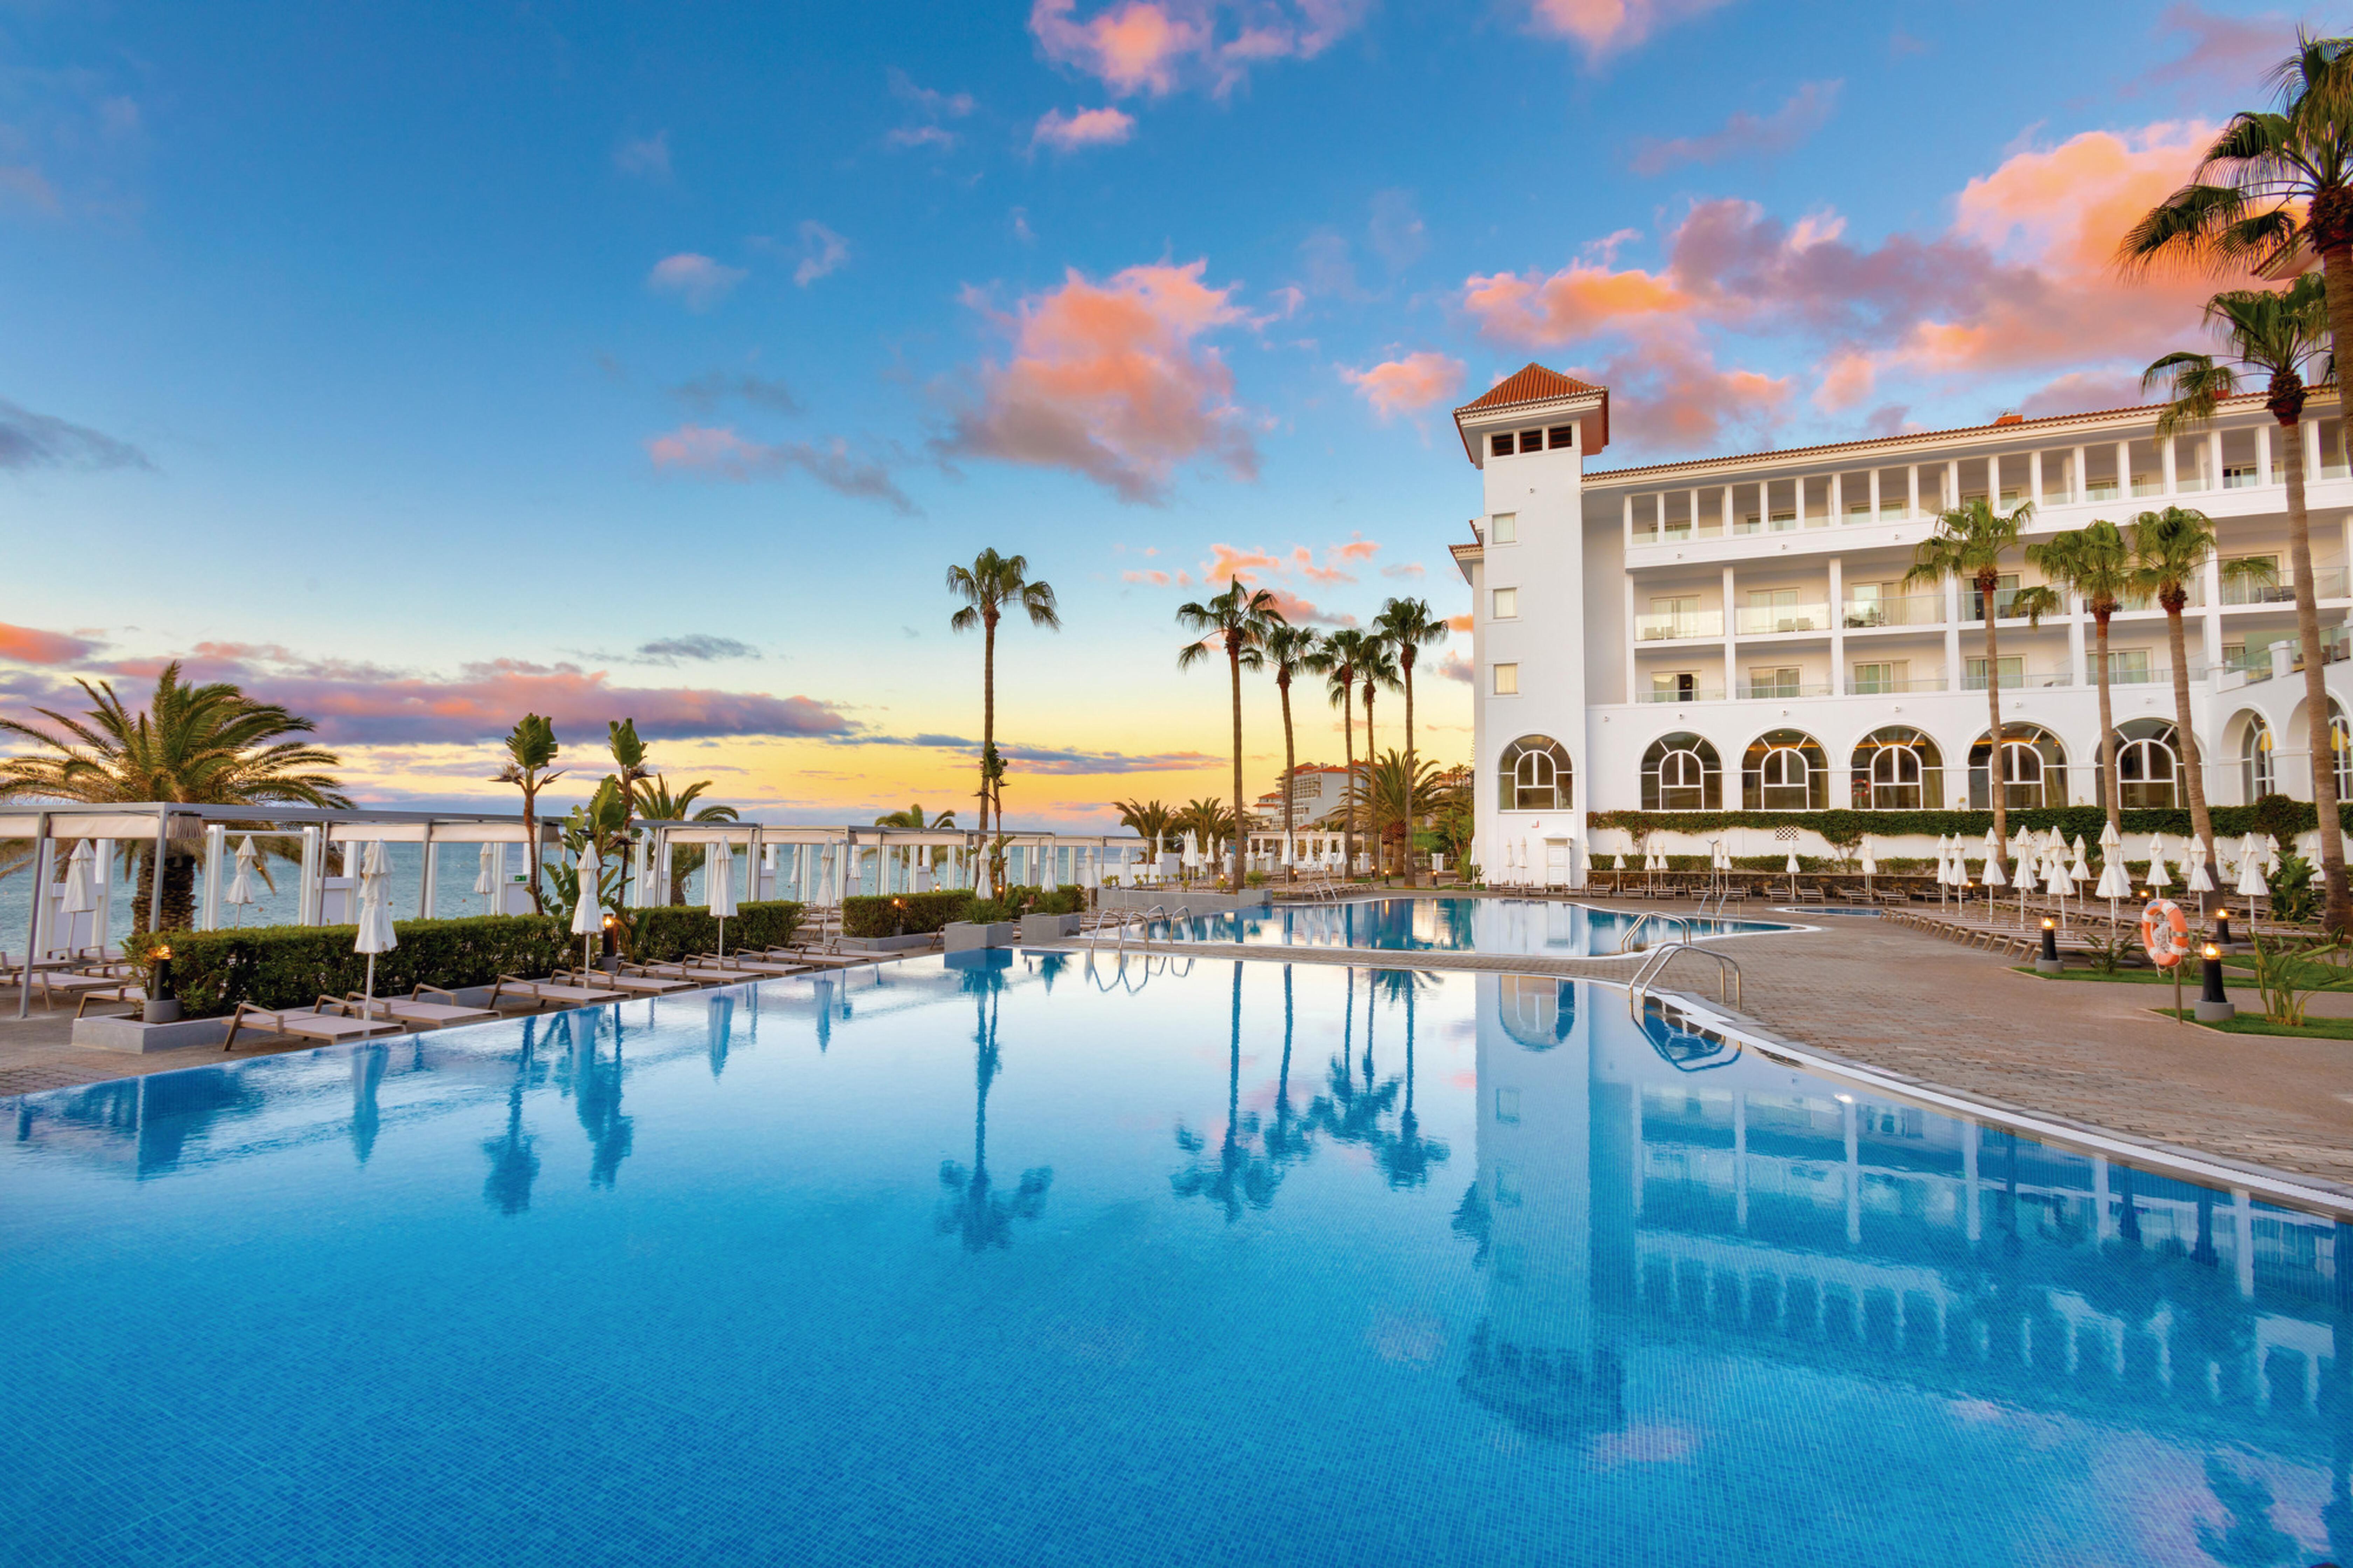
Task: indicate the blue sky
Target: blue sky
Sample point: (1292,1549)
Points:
(415,363)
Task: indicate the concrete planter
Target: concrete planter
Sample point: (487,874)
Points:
(963,936)
(136,1038)
(1049,928)
(1199,900)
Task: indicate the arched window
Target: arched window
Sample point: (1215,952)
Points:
(1536,1012)
(1681,772)
(2258,775)
(2034,769)
(2148,764)
(1534,774)
(1898,769)
(1785,770)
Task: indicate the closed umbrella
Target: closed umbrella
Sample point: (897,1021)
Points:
(2271,851)
(1870,865)
(2159,878)
(240,892)
(1791,868)
(2251,872)
(1994,877)
(486,876)
(719,882)
(588,910)
(2200,879)
(375,933)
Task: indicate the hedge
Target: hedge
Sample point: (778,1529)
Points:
(293,966)
(903,914)
(2273,813)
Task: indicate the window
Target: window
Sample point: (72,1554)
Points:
(1680,772)
(1504,528)
(2148,765)
(1499,445)
(1562,436)
(2005,591)
(2239,478)
(1777,682)
(1508,604)
(1507,680)
(1535,775)
(1785,770)
(2258,772)
(2340,743)
(2012,670)
(2128,667)
(1897,769)
(1679,686)
(1531,440)
(2034,769)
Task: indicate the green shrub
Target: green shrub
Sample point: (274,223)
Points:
(293,966)
(907,914)
(1070,898)
(667,933)
(2293,898)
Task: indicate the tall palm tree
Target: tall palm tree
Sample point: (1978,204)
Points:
(1397,793)
(2283,337)
(628,769)
(1288,650)
(656,803)
(990,586)
(1237,621)
(531,749)
(193,745)
(1150,819)
(1206,820)
(2170,548)
(914,818)
(1336,662)
(1377,670)
(1408,627)
(1970,543)
(2094,563)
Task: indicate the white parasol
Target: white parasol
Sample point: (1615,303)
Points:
(375,933)
(240,891)
(588,908)
(719,882)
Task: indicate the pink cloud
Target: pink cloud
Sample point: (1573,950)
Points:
(1110,380)
(1228,565)
(1299,613)
(1744,135)
(29,645)
(721,453)
(1158,579)
(1156,47)
(1458,623)
(1579,300)
(1410,384)
(2232,51)
(1454,667)
(697,280)
(1087,128)
(920,136)
(1607,27)
(1357,548)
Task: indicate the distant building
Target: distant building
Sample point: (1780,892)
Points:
(1317,791)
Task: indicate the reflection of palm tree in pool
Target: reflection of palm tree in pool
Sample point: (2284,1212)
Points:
(981,1217)
(368,1063)
(2249,1540)
(514,1163)
(720,1026)
(596,1085)
(1245,1173)
(1407,1156)
(1351,1113)
(1289,1139)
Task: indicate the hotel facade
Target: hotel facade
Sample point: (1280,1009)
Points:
(1735,633)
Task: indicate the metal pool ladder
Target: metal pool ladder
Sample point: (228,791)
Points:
(1682,923)
(1638,990)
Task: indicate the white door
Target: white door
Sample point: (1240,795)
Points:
(1555,862)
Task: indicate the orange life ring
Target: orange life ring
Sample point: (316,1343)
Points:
(2165,932)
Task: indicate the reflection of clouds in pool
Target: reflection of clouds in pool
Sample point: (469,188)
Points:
(1641,1445)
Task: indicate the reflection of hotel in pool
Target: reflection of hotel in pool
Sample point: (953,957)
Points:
(1621,1202)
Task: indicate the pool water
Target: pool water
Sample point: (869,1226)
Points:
(1226,1262)
(1511,927)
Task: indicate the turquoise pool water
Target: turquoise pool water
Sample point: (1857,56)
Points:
(1239,1263)
(1512,927)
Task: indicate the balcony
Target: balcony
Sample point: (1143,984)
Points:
(1687,694)
(1874,686)
(1770,690)
(1763,620)
(2133,604)
(2327,583)
(1912,610)
(2019,679)
(1673,627)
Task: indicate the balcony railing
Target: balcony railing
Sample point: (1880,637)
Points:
(2327,583)
(1759,620)
(1688,624)
(1766,691)
(2134,602)
(2014,680)
(1911,610)
(1871,686)
(1688,694)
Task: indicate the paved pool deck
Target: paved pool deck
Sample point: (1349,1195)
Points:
(1859,989)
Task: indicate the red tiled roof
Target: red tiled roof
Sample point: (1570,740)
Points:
(1531,383)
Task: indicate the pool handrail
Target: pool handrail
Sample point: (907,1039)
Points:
(1638,990)
(1682,922)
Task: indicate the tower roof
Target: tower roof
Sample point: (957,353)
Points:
(1528,387)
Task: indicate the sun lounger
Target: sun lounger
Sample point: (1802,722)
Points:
(325,1021)
(414,1009)
(629,984)
(546,990)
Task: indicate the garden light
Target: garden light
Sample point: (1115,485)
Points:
(2213,1004)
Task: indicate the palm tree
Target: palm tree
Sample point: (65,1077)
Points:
(1206,820)
(1336,661)
(1150,819)
(1238,620)
(2094,564)
(1377,668)
(658,804)
(2170,548)
(629,768)
(1408,626)
(1288,650)
(914,818)
(988,587)
(1970,544)
(193,745)
(1397,793)
(2283,337)
(531,747)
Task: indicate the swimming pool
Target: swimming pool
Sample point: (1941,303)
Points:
(1241,1263)
(1511,927)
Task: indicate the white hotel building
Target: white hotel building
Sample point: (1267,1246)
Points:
(1734,633)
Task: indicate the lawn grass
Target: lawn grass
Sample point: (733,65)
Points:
(2246,1024)
(2138,976)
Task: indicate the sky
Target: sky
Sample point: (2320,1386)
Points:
(417,366)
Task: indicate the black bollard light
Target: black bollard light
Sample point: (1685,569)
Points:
(609,944)
(162,1007)
(2213,1006)
(2047,963)
(2222,929)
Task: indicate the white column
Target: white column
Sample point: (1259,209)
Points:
(2311,451)
(1695,511)
(1837,501)
(314,866)
(1731,619)
(1724,505)
(101,873)
(2215,459)
(1911,496)
(427,881)
(216,855)
(1633,639)
(1953,637)
(1952,496)
(1874,495)
(2034,477)
(2165,464)
(1838,629)
(2079,484)
(2264,454)
(2124,470)
(1629,519)
(2209,577)
(1993,480)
